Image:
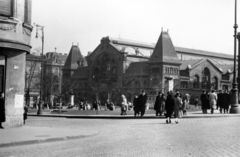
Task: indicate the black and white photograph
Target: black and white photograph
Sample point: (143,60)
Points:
(119,78)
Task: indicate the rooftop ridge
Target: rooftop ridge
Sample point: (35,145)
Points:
(128,42)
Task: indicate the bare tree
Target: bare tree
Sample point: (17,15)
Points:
(32,74)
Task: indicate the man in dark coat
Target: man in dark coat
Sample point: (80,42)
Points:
(169,106)
(226,101)
(158,103)
(142,99)
(136,106)
(2,110)
(220,101)
(204,100)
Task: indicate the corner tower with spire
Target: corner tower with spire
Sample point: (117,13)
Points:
(72,62)
(164,64)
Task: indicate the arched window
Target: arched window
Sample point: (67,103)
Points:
(196,82)
(96,75)
(215,83)
(114,74)
(206,78)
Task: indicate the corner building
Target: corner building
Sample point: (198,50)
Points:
(15,35)
(122,66)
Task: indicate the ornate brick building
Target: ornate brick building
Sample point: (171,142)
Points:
(122,66)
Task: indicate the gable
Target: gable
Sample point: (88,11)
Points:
(164,50)
(103,48)
(198,69)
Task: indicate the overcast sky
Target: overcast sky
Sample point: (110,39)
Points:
(199,24)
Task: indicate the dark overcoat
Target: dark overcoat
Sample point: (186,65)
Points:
(2,110)
(158,103)
(136,105)
(142,99)
(169,104)
(204,100)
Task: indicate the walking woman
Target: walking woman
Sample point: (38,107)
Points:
(177,107)
(136,106)
(158,104)
(169,105)
(124,105)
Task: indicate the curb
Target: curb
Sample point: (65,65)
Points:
(131,116)
(55,139)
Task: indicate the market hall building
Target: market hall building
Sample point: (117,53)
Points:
(122,66)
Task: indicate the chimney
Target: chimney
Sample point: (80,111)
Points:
(55,49)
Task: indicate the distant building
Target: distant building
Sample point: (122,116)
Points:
(122,66)
(52,75)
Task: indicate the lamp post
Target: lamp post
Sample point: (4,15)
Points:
(40,28)
(234,93)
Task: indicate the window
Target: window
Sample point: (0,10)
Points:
(215,83)
(196,82)
(184,84)
(6,8)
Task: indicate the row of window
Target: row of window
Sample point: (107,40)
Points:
(198,85)
(170,70)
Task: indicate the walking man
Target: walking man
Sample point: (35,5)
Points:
(213,100)
(142,102)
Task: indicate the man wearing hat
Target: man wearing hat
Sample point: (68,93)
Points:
(204,100)
(142,102)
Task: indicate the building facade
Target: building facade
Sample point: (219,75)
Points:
(52,75)
(122,66)
(15,35)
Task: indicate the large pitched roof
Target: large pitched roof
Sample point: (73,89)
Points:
(202,52)
(188,63)
(135,68)
(227,68)
(191,64)
(132,47)
(73,58)
(146,49)
(164,50)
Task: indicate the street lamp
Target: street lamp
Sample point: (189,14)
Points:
(40,28)
(234,94)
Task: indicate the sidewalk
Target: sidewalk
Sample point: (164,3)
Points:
(32,134)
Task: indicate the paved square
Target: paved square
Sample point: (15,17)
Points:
(213,137)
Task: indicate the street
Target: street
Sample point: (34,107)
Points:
(213,137)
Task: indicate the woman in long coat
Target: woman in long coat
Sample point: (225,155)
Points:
(169,105)
(124,105)
(158,104)
(177,108)
(2,110)
(136,106)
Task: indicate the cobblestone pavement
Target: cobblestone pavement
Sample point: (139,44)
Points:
(213,137)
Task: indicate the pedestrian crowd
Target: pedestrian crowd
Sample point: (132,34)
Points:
(211,100)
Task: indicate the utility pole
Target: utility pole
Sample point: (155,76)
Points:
(40,28)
